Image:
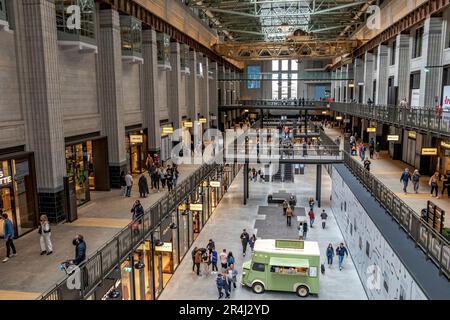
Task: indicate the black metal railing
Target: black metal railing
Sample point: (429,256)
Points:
(435,246)
(424,119)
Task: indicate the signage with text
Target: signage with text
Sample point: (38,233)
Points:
(445,144)
(215,184)
(393,138)
(347,120)
(338,118)
(188,124)
(412,135)
(446,99)
(167,130)
(4,180)
(134,138)
(196,207)
(202,120)
(429,151)
(371,130)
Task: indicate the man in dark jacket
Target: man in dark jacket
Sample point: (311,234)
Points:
(244,240)
(143,186)
(80,249)
(341,252)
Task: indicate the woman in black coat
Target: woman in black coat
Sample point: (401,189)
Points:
(143,186)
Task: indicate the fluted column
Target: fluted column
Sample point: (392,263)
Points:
(174,86)
(204,93)
(111,92)
(193,88)
(38,52)
(382,82)
(433,51)
(213,96)
(368,76)
(359,76)
(403,66)
(149,87)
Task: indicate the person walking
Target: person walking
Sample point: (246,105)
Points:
(210,246)
(416,180)
(143,186)
(433,183)
(285,206)
(371,148)
(367,164)
(214,259)
(198,260)
(330,255)
(80,250)
(137,213)
(8,234)
(311,203)
(341,252)
(220,283)
(445,185)
(305,230)
(193,252)
(226,286)
(206,261)
(324,217)
(377,150)
(223,259)
(252,242)
(289,215)
(363,152)
(300,231)
(232,276)
(123,184)
(169,180)
(245,237)
(230,258)
(405,178)
(162,176)
(45,232)
(129,183)
(312,217)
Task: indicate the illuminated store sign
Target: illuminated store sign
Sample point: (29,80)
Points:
(429,151)
(338,118)
(202,120)
(215,184)
(412,135)
(371,130)
(445,144)
(196,207)
(167,130)
(393,138)
(4,180)
(188,124)
(166,247)
(134,138)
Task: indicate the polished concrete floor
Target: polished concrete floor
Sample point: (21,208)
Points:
(226,225)
(29,274)
(388,171)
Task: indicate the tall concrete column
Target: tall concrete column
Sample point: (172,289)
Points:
(382,83)
(302,87)
(193,104)
(213,96)
(174,86)
(38,62)
(228,86)
(223,86)
(403,66)
(333,85)
(149,89)
(204,90)
(433,55)
(359,76)
(237,86)
(111,92)
(368,76)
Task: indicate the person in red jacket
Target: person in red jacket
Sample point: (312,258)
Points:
(311,218)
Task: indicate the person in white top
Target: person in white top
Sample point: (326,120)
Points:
(223,259)
(45,232)
(129,182)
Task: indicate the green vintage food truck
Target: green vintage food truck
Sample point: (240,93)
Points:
(283,265)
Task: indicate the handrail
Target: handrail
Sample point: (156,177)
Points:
(426,119)
(115,250)
(433,244)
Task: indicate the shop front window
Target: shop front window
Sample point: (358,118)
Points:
(126,272)
(17,195)
(143,287)
(183,219)
(79,165)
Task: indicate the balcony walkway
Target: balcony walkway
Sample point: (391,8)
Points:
(29,274)
(388,171)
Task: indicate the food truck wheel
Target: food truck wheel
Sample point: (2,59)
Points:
(258,288)
(302,291)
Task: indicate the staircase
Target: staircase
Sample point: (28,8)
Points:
(289,173)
